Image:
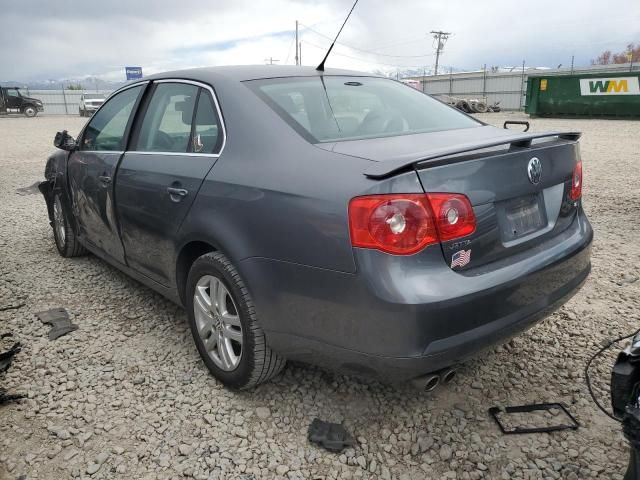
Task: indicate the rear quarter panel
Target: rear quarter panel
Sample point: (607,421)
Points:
(274,195)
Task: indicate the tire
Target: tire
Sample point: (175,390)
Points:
(481,107)
(30,111)
(244,359)
(66,241)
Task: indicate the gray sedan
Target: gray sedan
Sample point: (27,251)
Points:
(334,217)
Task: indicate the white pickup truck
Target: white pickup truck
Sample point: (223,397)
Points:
(89,103)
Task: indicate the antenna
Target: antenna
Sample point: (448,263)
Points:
(320,67)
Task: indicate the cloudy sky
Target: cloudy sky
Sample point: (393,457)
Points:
(44,39)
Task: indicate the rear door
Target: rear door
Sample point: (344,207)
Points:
(174,145)
(91,171)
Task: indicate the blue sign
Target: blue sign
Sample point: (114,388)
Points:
(133,73)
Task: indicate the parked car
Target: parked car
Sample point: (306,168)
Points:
(334,218)
(89,103)
(12,101)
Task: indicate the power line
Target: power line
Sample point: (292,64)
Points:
(364,61)
(440,38)
(367,51)
(286,62)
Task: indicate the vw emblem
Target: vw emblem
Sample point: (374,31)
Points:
(534,170)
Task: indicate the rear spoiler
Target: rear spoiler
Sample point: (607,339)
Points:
(517,140)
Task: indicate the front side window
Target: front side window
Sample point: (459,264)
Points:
(166,126)
(334,108)
(106,130)
(13,93)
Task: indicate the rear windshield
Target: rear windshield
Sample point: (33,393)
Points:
(333,108)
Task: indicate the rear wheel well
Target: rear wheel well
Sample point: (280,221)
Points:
(189,253)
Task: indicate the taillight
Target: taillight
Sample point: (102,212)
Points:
(403,224)
(454,215)
(576,182)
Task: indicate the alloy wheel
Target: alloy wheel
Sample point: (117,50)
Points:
(218,322)
(58,220)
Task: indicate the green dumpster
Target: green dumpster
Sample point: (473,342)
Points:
(588,95)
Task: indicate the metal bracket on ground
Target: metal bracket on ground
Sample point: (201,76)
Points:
(495,412)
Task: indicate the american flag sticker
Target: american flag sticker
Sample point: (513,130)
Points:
(461,258)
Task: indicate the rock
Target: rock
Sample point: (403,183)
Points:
(425,443)
(282,470)
(59,432)
(185,450)
(445,452)
(102,457)
(54,451)
(263,413)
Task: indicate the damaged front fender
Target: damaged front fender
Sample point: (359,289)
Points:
(54,173)
(46,188)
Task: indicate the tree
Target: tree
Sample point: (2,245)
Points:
(607,57)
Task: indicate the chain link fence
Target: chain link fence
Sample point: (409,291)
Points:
(508,88)
(61,102)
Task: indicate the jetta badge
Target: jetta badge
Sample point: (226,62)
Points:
(534,170)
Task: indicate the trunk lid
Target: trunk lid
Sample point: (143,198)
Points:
(518,183)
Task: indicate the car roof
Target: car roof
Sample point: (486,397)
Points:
(253,72)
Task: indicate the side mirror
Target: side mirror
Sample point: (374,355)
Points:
(64,141)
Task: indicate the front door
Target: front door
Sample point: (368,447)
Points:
(91,172)
(174,146)
(13,100)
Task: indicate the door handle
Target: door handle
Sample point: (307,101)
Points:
(177,194)
(104,180)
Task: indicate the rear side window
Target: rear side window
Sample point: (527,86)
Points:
(107,128)
(207,134)
(334,108)
(166,126)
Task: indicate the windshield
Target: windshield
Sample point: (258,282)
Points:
(332,108)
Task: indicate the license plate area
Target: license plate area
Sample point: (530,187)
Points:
(521,216)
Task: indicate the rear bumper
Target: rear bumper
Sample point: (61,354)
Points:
(401,317)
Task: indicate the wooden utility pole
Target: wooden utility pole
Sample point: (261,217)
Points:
(297,45)
(440,38)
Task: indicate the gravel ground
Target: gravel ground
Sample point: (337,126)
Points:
(127,396)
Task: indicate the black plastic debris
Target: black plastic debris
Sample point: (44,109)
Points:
(5,362)
(7,357)
(6,397)
(58,318)
(496,412)
(30,190)
(331,436)
(13,306)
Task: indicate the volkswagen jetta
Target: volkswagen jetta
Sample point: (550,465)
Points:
(332,217)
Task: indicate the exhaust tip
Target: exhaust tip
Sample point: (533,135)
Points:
(426,383)
(431,383)
(448,376)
